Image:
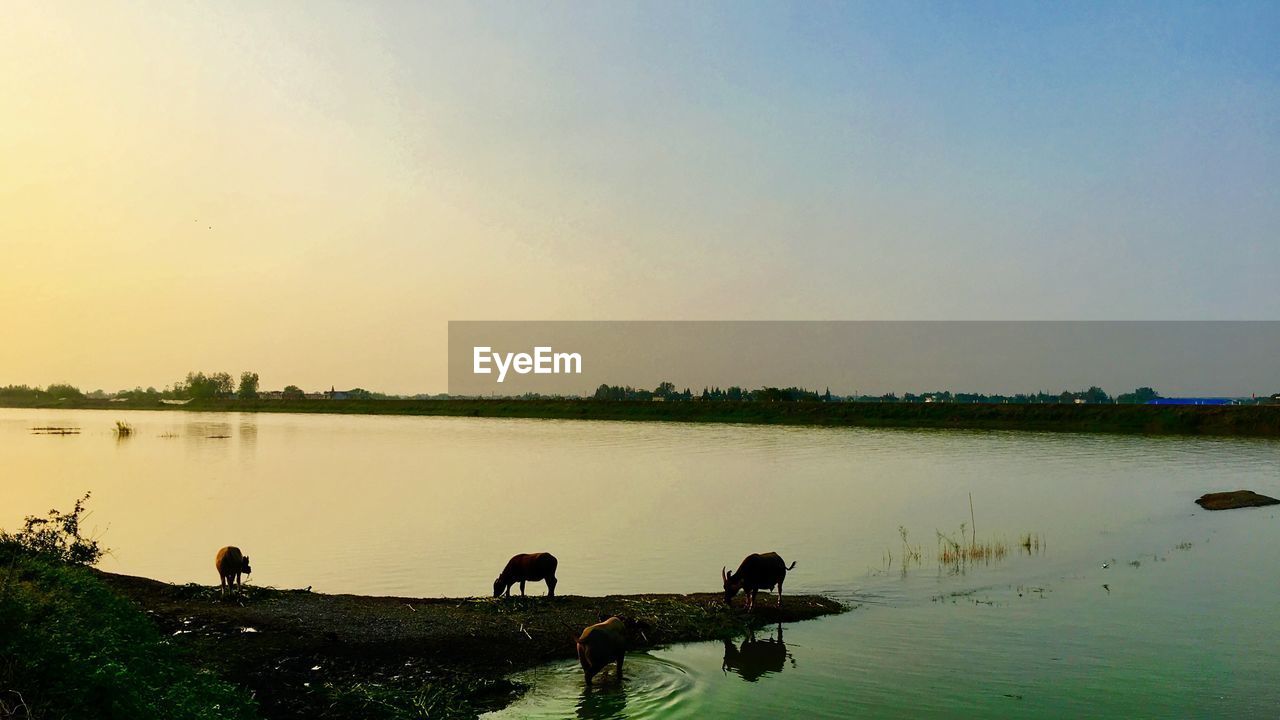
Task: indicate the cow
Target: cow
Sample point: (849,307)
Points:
(230,563)
(601,644)
(757,572)
(527,567)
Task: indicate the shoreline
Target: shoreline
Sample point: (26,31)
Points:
(305,654)
(1231,420)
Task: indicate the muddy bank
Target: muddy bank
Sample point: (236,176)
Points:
(305,654)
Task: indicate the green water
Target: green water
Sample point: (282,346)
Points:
(1183,622)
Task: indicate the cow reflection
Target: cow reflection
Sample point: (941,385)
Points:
(602,703)
(754,658)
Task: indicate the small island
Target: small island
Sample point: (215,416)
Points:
(306,654)
(1234,499)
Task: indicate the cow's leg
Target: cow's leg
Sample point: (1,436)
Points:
(551,586)
(521,588)
(779,594)
(239,584)
(619,667)
(222,584)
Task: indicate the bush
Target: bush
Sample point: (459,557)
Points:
(55,537)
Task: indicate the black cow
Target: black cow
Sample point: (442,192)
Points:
(757,572)
(527,567)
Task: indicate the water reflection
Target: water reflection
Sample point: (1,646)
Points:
(248,433)
(755,658)
(650,688)
(602,702)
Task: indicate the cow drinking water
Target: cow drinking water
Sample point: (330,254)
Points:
(601,644)
(757,572)
(527,567)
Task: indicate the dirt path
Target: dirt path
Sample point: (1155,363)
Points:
(306,654)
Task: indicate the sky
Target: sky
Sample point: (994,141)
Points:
(313,190)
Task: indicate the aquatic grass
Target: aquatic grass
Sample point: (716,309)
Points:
(953,553)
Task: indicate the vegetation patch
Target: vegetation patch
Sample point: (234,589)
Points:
(70,647)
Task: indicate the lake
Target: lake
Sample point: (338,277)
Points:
(1135,603)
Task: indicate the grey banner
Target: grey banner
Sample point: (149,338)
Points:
(1236,359)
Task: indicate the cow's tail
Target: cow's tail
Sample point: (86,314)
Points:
(793,566)
(573,634)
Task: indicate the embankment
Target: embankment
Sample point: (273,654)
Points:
(1238,420)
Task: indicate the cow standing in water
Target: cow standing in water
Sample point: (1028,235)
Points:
(757,572)
(601,644)
(527,567)
(231,563)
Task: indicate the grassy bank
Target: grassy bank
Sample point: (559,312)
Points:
(71,647)
(1242,420)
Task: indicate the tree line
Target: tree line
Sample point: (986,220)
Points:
(197,385)
(667,391)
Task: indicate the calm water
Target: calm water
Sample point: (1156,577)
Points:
(1185,621)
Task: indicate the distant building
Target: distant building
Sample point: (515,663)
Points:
(270,395)
(1192,401)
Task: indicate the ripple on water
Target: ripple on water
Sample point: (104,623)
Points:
(651,688)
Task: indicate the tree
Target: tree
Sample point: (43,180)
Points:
(292,392)
(664,390)
(63,391)
(1095,394)
(248,386)
(1140,396)
(206,387)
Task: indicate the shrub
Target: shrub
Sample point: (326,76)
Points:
(55,537)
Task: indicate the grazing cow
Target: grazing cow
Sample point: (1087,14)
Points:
(601,644)
(230,563)
(757,572)
(527,567)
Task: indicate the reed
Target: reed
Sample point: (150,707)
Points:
(123,429)
(959,553)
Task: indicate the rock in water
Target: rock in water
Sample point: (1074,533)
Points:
(1234,499)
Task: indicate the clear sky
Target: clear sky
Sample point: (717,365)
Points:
(313,190)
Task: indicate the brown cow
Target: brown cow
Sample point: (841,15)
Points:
(757,572)
(230,563)
(601,644)
(527,567)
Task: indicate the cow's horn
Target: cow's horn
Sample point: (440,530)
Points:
(724,573)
